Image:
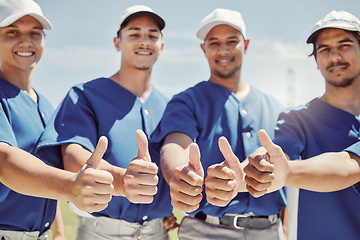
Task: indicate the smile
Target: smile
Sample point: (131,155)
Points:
(144,53)
(25,54)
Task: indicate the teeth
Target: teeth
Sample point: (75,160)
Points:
(144,53)
(24,54)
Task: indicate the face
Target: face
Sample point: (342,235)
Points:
(140,43)
(21,44)
(338,57)
(224,48)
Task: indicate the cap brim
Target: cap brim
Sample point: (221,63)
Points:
(158,20)
(204,30)
(312,37)
(13,18)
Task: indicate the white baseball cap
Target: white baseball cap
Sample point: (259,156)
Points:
(13,10)
(140,10)
(335,19)
(221,16)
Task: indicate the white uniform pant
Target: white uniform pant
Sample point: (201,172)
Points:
(19,235)
(195,229)
(107,228)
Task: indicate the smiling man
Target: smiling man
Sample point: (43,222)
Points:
(227,106)
(329,123)
(116,107)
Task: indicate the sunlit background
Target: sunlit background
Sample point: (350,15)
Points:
(80,47)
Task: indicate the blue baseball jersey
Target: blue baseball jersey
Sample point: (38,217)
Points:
(310,130)
(208,111)
(22,121)
(355,148)
(104,108)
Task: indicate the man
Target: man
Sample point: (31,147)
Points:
(326,124)
(222,106)
(23,114)
(116,107)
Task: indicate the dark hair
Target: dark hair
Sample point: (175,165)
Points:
(355,34)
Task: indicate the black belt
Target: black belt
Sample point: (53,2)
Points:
(240,221)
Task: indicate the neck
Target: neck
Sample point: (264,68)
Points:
(20,79)
(233,84)
(347,99)
(137,82)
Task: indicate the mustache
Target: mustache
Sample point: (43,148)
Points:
(345,64)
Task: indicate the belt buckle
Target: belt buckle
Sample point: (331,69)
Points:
(235,221)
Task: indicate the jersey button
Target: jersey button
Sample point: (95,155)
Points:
(146,112)
(248,134)
(144,218)
(47,224)
(243,111)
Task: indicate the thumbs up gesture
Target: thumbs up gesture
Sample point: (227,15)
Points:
(226,179)
(140,179)
(267,167)
(186,182)
(92,187)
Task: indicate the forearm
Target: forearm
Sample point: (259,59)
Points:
(324,173)
(174,153)
(172,156)
(26,174)
(75,156)
(57,226)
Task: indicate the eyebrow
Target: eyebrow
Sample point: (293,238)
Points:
(14,26)
(138,29)
(215,38)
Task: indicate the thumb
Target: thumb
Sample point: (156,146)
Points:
(230,158)
(266,141)
(96,156)
(194,159)
(142,143)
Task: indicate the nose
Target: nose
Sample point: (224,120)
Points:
(144,41)
(223,49)
(25,41)
(334,55)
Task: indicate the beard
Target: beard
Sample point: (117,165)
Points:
(345,82)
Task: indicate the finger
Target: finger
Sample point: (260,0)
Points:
(260,164)
(266,141)
(254,192)
(219,171)
(142,143)
(194,156)
(97,155)
(230,158)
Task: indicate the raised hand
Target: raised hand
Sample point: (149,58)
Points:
(92,189)
(140,179)
(224,180)
(186,182)
(267,168)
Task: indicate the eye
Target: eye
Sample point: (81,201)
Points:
(234,42)
(154,37)
(11,32)
(323,50)
(214,44)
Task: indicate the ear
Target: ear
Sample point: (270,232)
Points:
(246,44)
(161,48)
(117,43)
(202,45)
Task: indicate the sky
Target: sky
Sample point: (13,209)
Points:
(80,47)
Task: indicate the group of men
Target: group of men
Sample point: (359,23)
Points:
(203,157)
